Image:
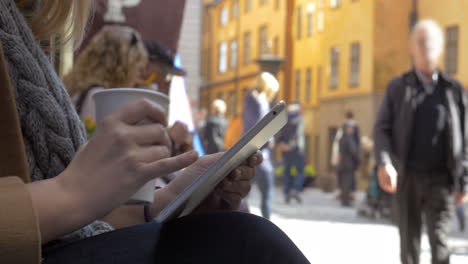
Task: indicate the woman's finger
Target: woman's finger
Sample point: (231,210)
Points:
(150,134)
(149,154)
(255,160)
(241,188)
(242,173)
(169,165)
(141,110)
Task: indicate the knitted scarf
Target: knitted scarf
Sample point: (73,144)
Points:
(52,131)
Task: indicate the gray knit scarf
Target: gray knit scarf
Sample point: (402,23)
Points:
(51,129)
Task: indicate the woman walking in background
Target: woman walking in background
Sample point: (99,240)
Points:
(256,105)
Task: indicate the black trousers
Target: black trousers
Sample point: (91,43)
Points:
(346,179)
(204,238)
(424,197)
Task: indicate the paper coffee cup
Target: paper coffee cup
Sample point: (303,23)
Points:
(109,101)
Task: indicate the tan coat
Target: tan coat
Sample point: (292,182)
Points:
(20,240)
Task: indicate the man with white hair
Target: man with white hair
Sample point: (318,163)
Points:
(215,128)
(421,146)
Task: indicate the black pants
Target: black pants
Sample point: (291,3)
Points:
(424,198)
(204,238)
(345,180)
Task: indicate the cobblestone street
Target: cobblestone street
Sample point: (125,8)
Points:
(330,234)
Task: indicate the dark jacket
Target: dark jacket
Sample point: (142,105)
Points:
(293,132)
(213,135)
(393,127)
(349,153)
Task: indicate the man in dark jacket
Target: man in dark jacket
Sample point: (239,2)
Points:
(292,144)
(421,146)
(348,162)
(215,128)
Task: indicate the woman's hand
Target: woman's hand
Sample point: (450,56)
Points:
(120,158)
(228,194)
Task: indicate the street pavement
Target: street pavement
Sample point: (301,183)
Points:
(327,233)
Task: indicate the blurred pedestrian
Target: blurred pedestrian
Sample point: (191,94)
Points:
(336,158)
(215,128)
(161,69)
(348,163)
(420,144)
(233,131)
(292,145)
(256,105)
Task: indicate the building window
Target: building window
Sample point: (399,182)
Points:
(235,10)
(276,46)
(355,64)
(335,3)
(233,103)
(308,85)
(248,6)
(224,16)
(334,64)
(310,23)
(233,59)
(247,47)
(263,41)
(262,2)
(277,4)
(299,22)
(320,21)
(222,59)
(298,86)
(451,50)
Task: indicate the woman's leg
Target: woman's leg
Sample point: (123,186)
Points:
(135,245)
(203,238)
(225,238)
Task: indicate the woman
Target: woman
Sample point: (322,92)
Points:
(71,190)
(114,58)
(257,105)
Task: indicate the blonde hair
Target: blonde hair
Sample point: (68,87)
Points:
(268,84)
(65,18)
(114,58)
(219,106)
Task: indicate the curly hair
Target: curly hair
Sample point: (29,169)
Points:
(114,58)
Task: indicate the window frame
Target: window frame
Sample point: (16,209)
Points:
(233,56)
(224,16)
(308,84)
(297,85)
(222,57)
(355,64)
(247,49)
(263,45)
(452,46)
(299,22)
(334,80)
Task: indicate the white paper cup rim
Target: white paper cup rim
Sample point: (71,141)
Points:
(132,90)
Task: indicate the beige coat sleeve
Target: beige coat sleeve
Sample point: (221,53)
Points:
(19,229)
(20,240)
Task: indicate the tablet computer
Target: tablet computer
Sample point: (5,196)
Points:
(254,139)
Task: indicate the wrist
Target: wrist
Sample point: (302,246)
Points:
(81,209)
(162,198)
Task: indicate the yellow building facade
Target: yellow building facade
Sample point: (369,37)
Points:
(340,56)
(237,33)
